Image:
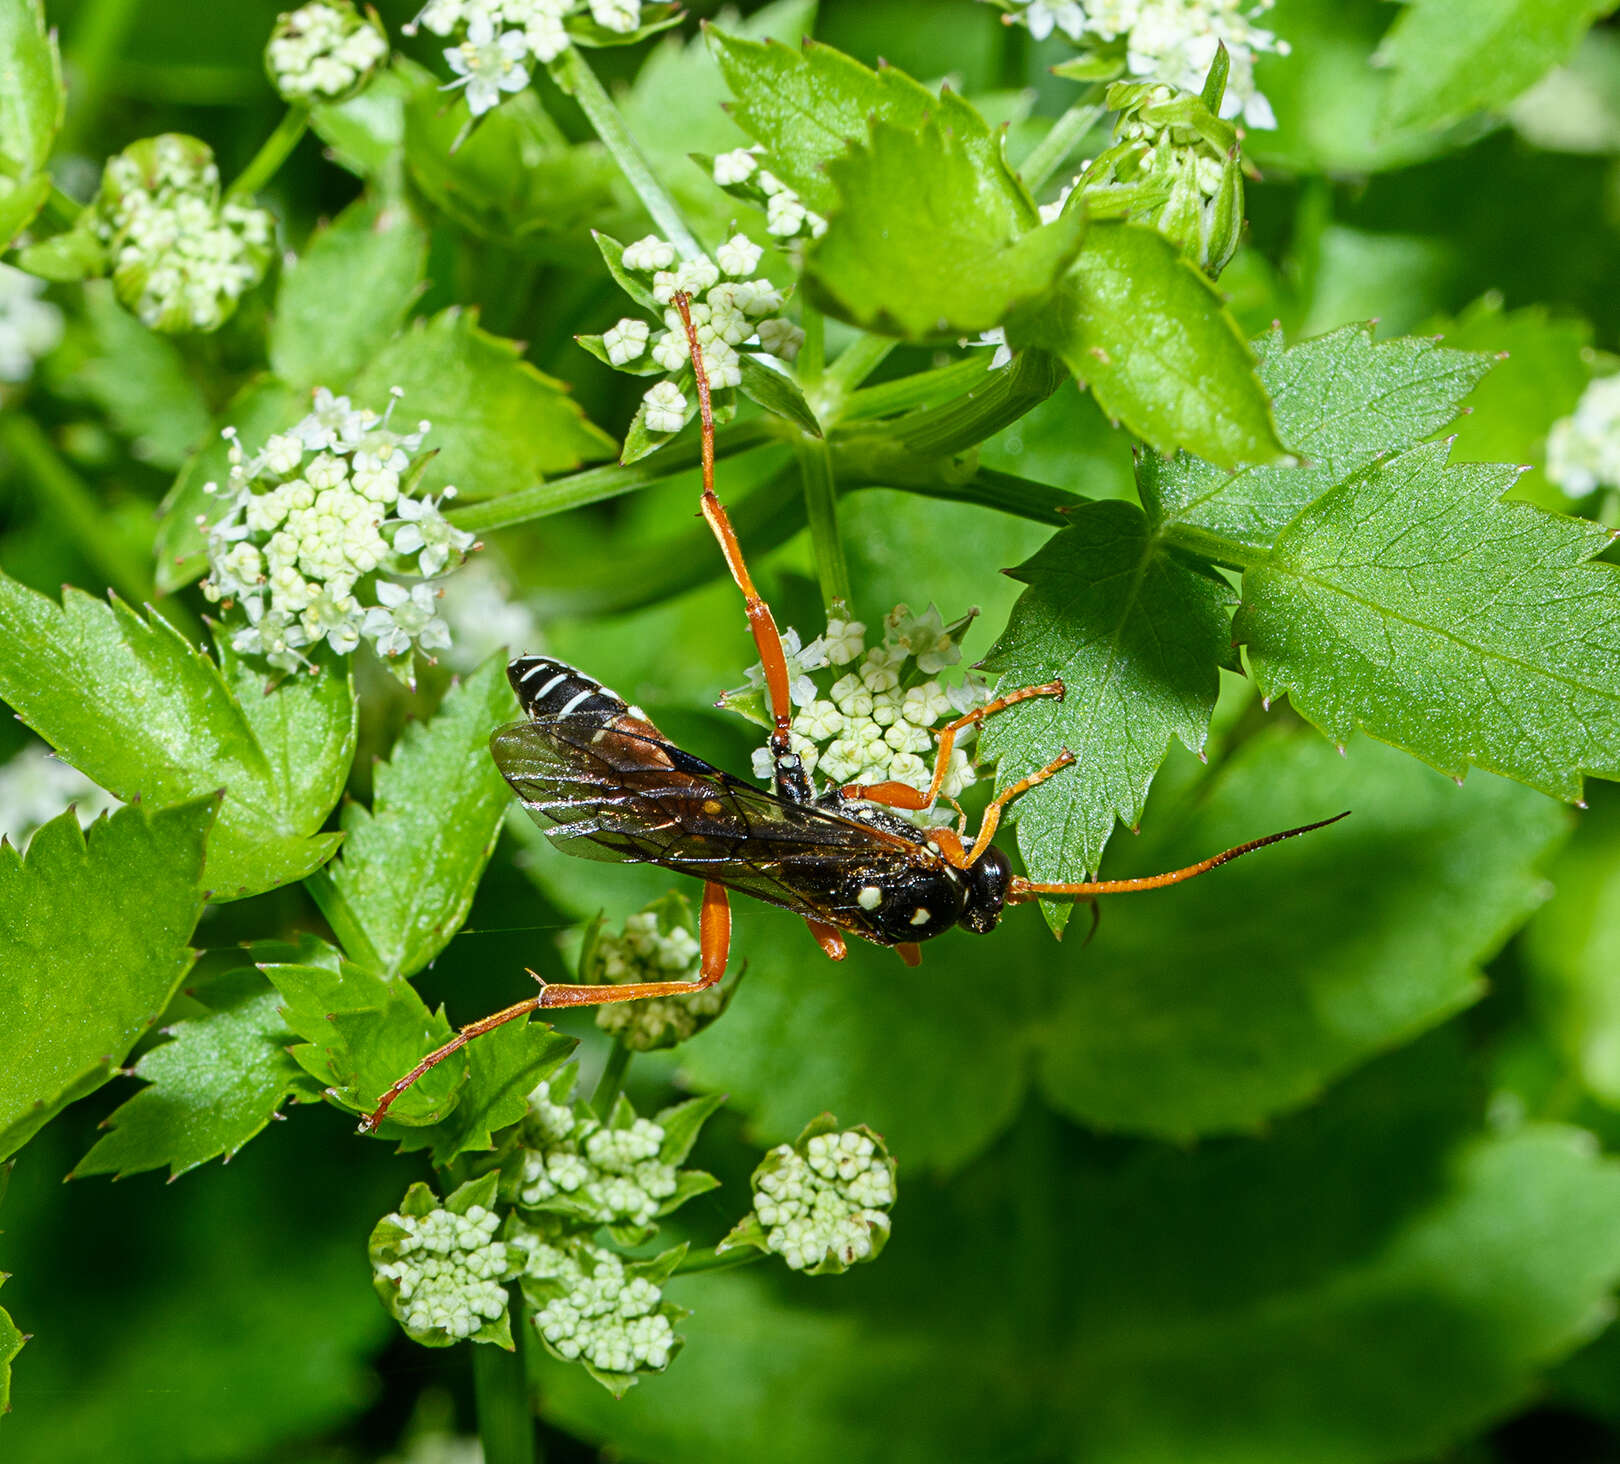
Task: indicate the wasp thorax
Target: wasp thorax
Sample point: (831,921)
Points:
(987,881)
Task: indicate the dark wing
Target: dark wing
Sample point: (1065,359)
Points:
(617,790)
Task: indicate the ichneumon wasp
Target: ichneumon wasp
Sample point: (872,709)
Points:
(605,783)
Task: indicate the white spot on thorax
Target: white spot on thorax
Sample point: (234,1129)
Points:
(870,897)
(920,916)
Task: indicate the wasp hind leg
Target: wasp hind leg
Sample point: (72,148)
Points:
(714,941)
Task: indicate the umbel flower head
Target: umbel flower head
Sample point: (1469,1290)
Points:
(180,257)
(656,944)
(866,714)
(822,1202)
(324,51)
(314,531)
(1583,449)
(732,314)
(624,1173)
(439,1268)
(743,174)
(29,326)
(1172,41)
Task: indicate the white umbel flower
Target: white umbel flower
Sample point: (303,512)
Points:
(656,944)
(1583,449)
(323,51)
(487,64)
(622,16)
(30,327)
(447,1271)
(665,408)
(625,341)
(735,167)
(597,1312)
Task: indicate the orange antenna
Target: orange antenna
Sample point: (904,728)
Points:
(1024,889)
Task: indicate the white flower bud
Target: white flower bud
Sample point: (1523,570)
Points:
(625,341)
(648,254)
(739,255)
(731,168)
(665,408)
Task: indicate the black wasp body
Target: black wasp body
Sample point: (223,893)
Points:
(603,782)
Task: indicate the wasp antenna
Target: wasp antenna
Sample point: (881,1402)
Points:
(1023,889)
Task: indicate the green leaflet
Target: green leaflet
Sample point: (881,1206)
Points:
(1341,400)
(215,1085)
(93,943)
(411,863)
(31,95)
(1410,602)
(131,704)
(1151,337)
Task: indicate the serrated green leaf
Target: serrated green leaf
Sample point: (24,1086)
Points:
(20,204)
(410,865)
(1136,635)
(1411,603)
(362,1033)
(778,393)
(929,242)
(215,1085)
(1214,1007)
(1342,400)
(264,406)
(32,99)
(93,943)
(498,423)
(11,1343)
(806,106)
(1148,333)
(682,1123)
(138,377)
(1261,1301)
(1448,58)
(1541,369)
(65,258)
(339,303)
(366,132)
(130,703)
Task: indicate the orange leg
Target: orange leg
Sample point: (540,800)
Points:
(760,622)
(992,815)
(714,939)
(903,795)
(909,952)
(1024,889)
(829,939)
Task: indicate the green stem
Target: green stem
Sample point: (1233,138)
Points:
(63,497)
(923,388)
(859,361)
(501,1396)
(277,148)
(1218,548)
(60,209)
(98,40)
(611,1083)
(821,508)
(696,1262)
(1048,154)
(575,73)
(812,362)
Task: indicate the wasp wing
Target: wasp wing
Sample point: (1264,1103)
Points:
(615,789)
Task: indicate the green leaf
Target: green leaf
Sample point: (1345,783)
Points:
(65,258)
(1135,634)
(264,406)
(32,99)
(20,204)
(778,393)
(11,1343)
(928,242)
(1451,57)
(1214,1006)
(130,703)
(498,423)
(1148,333)
(1540,372)
(1259,1301)
(138,377)
(806,106)
(1411,603)
(221,1079)
(361,1034)
(410,865)
(366,133)
(93,943)
(1342,400)
(347,294)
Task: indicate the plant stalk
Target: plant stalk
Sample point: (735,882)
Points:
(821,508)
(696,1262)
(574,72)
(276,149)
(859,361)
(1048,154)
(501,1395)
(611,1083)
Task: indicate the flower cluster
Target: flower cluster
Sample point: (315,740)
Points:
(595,1308)
(1174,166)
(499,38)
(441,1271)
(180,257)
(312,525)
(622,1173)
(656,944)
(36,785)
(323,51)
(742,175)
(29,327)
(1171,41)
(731,313)
(822,1202)
(1583,449)
(873,722)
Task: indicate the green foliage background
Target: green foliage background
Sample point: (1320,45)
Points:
(1306,1161)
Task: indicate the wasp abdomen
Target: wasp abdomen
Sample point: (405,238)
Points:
(548,688)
